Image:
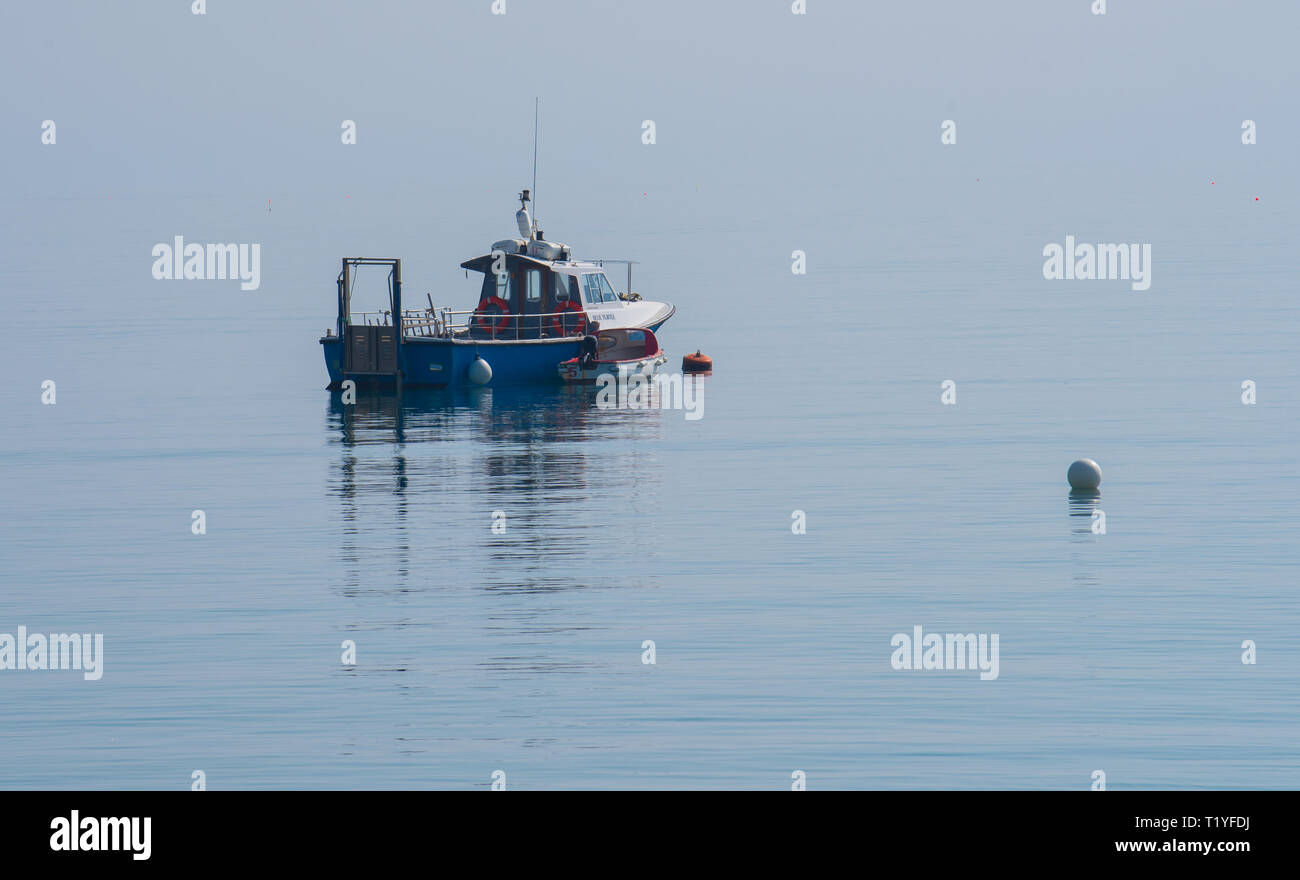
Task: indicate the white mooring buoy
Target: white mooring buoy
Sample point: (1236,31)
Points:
(1084,474)
(480,372)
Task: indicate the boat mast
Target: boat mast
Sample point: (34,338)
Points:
(537,106)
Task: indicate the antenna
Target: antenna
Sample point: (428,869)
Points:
(537,110)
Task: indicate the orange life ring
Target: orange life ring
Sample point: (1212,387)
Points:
(481,314)
(558,321)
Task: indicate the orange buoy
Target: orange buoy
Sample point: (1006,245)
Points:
(697,363)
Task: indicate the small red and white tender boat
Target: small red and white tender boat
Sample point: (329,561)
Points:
(619,353)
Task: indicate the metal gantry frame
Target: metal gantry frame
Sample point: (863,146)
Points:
(345,287)
(394,301)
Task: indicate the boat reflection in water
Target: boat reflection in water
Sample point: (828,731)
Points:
(519,489)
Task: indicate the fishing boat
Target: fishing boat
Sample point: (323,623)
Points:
(536,304)
(618,354)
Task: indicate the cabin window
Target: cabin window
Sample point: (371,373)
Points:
(606,291)
(564,287)
(498,285)
(533,290)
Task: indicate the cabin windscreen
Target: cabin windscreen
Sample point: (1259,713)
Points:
(596,288)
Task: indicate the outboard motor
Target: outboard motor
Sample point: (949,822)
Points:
(590,349)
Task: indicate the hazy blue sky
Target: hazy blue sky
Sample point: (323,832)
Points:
(764,119)
(149,97)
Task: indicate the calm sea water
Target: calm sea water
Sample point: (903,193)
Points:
(522,651)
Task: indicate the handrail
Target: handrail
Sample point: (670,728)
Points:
(629,263)
(442,323)
(381,318)
(446,322)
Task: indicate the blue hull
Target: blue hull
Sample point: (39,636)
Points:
(444,363)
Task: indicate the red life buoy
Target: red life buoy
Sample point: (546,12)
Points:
(558,321)
(481,314)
